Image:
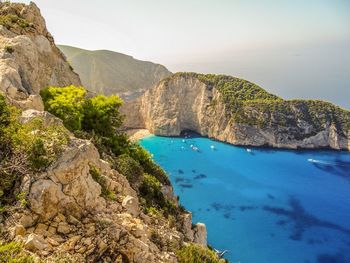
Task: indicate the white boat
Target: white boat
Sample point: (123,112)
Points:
(249,150)
(212,147)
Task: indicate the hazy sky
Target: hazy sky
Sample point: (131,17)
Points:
(271,42)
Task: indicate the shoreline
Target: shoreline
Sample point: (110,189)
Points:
(137,134)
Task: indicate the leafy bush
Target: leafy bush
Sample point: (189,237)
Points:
(98,119)
(13,21)
(194,253)
(149,166)
(65,103)
(130,168)
(154,200)
(25,148)
(101,115)
(14,253)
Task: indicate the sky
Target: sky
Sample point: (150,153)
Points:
(297,49)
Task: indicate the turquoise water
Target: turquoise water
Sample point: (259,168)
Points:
(266,205)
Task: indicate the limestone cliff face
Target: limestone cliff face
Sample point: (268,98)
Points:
(64,215)
(189,102)
(29,59)
(67,214)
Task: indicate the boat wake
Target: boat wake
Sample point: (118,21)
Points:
(335,163)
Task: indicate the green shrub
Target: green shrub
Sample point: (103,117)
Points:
(14,253)
(105,192)
(130,168)
(29,147)
(13,21)
(98,119)
(149,166)
(66,103)
(194,253)
(101,115)
(151,193)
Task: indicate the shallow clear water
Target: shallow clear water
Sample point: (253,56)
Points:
(266,205)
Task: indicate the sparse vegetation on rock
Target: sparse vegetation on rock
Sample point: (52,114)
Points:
(238,112)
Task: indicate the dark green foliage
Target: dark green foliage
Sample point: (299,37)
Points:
(38,156)
(4,122)
(101,115)
(247,103)
(232,88)
(156,239)
(150,167)
(150,191)
(194,253)
(14,253)
(98,120)
(130,168)
(23,151)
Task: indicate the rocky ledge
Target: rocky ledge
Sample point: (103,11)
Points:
(238,112)
(29,58)
(66,215)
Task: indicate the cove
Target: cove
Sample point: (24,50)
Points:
(263,205)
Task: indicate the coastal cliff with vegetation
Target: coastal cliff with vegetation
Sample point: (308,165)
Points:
(238,112)
(73,188)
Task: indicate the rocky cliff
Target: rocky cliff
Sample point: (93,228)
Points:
(29,59)
(67,217)
(59,200)
(107,72)
(238,112)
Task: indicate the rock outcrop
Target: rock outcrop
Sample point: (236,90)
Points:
(63,213)
(29,59)
(237,112)
(67,214)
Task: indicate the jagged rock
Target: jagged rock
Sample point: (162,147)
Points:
(187,226)
(70,244)
(20,230)
(90,230)
(41,229)
(52,242)
(27,220)
(47,118)
(131,205)
(72,220)
(35,62)
(35,243)
(200,234)
(65,205)
(47,199)
(63,228)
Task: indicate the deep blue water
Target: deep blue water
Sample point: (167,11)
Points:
(266,205)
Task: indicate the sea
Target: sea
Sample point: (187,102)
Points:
(262,205)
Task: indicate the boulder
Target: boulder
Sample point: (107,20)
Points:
(200,234)
(35,243)
(131,205)
(20,230)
